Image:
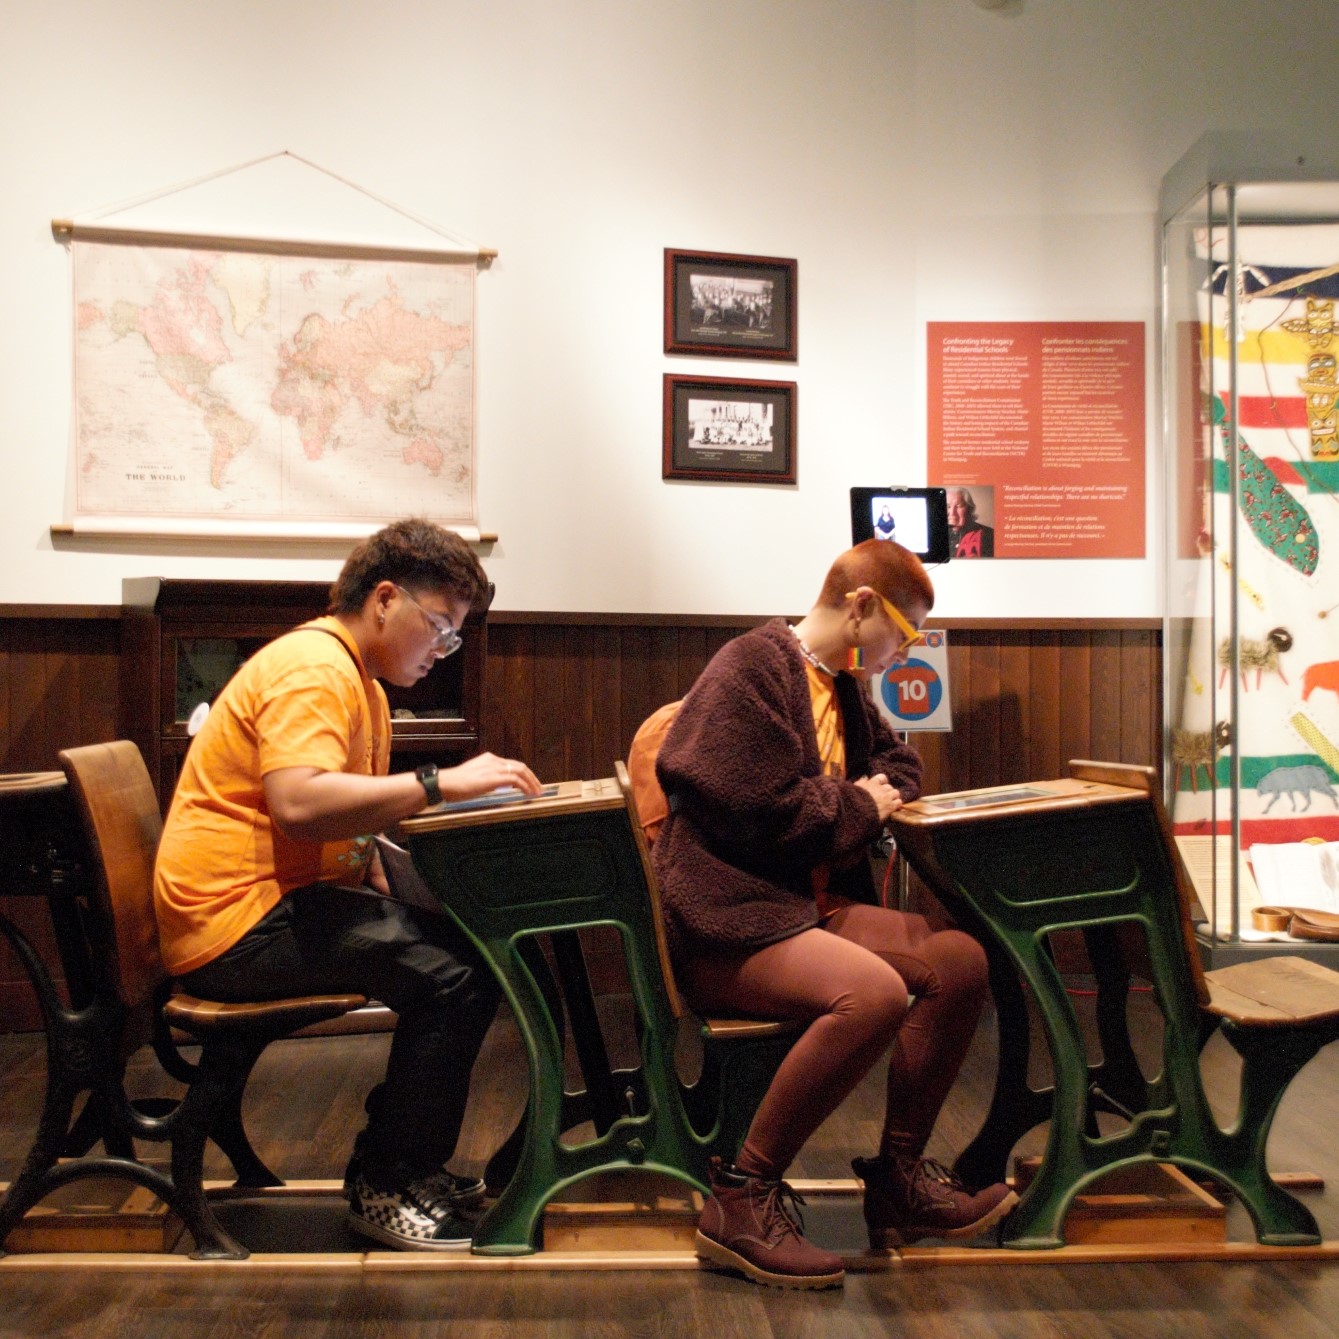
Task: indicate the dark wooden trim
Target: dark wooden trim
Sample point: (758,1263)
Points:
(1047,624)
(524,617)
(578,619)
(60,611)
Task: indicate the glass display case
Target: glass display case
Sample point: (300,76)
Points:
(1250,345)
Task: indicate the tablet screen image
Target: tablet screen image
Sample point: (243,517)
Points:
(917,518)
(502,795)
(969,799)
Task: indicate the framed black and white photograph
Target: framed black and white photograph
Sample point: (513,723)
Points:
(730,306)
(718,428)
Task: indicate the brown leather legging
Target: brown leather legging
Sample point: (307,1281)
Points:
(852,978)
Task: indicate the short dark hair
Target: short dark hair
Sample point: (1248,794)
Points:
(415,553)
(883,565)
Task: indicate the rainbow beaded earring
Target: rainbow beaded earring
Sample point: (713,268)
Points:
(855,658)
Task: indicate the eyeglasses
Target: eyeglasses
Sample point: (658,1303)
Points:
(445,639)
(910,636)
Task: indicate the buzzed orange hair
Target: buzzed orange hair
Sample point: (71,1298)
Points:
(883,564)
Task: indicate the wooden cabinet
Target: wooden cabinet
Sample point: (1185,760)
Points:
(183,639)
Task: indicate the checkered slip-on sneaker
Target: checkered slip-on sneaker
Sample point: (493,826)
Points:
(458,1193)
(406,1219)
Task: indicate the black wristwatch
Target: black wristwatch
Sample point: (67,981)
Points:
(427,778)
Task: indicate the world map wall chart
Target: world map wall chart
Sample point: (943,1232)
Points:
(228,386)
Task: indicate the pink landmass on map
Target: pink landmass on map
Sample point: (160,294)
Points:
(183,327)
(184,331)
(424,451)
(231,435)
(379,358)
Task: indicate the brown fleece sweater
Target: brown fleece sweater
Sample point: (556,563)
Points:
(752,814)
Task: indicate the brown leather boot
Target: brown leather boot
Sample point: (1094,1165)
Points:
(747,1225)
(907,1198)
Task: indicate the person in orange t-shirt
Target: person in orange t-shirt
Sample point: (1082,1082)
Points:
(267,881)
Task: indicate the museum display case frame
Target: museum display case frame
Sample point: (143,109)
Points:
(1248,341)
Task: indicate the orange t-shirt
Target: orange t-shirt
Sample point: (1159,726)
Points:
(304,700)
(830,728)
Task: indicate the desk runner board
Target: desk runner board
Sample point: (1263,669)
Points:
(660,1241)
(98,1214)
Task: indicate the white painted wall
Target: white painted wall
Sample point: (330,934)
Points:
(922,159)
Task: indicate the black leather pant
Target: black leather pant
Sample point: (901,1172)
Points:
(327,940)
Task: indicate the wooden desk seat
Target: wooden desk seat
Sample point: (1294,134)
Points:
(1274,992)
(1094,851)
(131,1006)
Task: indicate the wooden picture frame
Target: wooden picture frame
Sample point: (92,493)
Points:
(728,306)
(720,428)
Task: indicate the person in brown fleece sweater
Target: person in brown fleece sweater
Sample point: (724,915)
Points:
(780,773)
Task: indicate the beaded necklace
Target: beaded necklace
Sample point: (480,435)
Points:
(809,655)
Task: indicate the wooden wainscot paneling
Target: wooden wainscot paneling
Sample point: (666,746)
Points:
(1027,697)
(58,689)
(567,692)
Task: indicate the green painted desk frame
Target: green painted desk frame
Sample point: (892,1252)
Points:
(553,867)
(1096,855)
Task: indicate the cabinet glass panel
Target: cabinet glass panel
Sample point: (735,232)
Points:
(204,665)
(1251,644)
(438,696)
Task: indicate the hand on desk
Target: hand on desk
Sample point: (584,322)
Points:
(885,798)
(484,773)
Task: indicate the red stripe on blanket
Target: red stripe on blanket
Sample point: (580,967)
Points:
(1264,411)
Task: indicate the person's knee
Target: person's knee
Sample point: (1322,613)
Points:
(434,980)
(471,990)
(961,964)
(875,1001)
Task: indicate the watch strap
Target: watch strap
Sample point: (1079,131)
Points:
(427,778)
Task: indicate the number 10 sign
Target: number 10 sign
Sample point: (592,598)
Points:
(915,696)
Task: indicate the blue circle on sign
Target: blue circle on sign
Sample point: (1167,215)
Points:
(912,691)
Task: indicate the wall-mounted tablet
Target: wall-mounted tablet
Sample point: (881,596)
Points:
(917,518)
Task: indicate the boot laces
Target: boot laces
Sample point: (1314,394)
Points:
(936,1171)
(781,1209)
(933,1183)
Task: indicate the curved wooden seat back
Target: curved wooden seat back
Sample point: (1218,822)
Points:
(652,891)
(116,802)
(723,1029)
(650,804)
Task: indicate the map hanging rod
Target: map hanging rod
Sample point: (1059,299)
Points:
(98,229)
(294,532)
(65,230)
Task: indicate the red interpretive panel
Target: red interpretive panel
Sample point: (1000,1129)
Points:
(1037,429)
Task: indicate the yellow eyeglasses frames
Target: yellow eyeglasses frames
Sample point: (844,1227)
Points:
(910,636)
